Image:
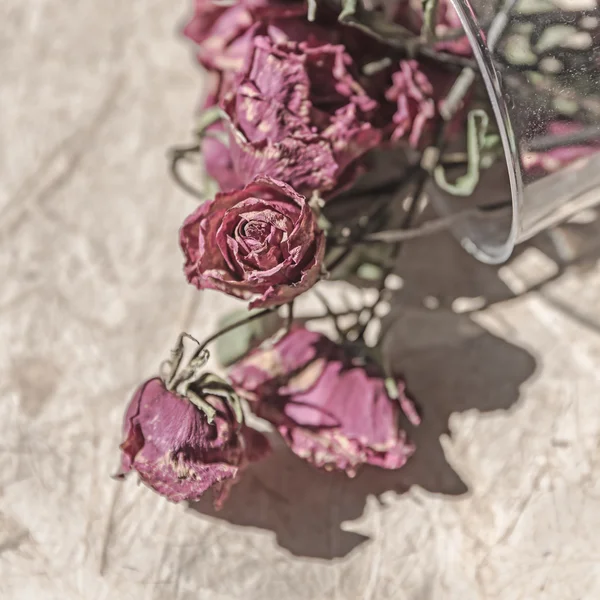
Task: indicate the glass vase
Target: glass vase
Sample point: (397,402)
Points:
(540,63)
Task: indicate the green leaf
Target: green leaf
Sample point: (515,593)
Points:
(235,344)
(477,126)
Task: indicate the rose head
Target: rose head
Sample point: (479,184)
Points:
(259,242)
(177,452)
(330,409)
(298,114)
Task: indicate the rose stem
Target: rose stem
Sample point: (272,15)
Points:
(424,175)
(330,312)
(229,328)
(397,247)
(178,154)
(435,225)
(290,316)
(365,229)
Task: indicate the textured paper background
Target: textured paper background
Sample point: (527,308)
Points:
(92,93)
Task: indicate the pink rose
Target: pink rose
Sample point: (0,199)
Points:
(259,242)
(177,452)
(298,114)
(329,407)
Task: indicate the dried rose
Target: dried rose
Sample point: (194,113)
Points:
(259,242)
(224,33)
(415,98)
(329,408)
(177,452)
(298,114)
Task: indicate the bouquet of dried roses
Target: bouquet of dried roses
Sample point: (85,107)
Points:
(322,126)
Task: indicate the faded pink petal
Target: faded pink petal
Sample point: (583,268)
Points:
(330,409)
(174,449)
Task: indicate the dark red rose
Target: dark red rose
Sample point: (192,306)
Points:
(298,114)
(259,242)
(331,409)
(177,452)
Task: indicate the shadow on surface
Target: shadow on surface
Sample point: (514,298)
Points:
(450,363)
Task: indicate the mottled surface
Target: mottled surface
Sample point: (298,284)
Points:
(92,298)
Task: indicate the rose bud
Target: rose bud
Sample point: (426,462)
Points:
(261,242)
(298,114)
(176,449)
(331,408)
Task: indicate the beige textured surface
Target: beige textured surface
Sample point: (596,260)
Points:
(92,93)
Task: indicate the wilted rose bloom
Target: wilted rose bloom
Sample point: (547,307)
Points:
(554,159)
(415,97)
(331,410)
(260,242)
(177,452)
(298,114)
(224,32)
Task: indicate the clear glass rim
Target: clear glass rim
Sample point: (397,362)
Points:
(486,252)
